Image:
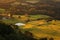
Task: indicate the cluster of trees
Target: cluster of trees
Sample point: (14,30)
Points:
(11,32)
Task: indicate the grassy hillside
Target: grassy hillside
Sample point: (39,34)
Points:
(40,28)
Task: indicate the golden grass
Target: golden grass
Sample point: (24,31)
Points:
(48,30)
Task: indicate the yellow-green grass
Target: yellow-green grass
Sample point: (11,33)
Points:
(39,28)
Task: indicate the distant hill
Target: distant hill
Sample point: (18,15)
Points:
(50,8)
(6,1)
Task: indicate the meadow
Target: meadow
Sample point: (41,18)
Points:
(38,25)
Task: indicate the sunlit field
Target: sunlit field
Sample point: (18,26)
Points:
(38,25)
